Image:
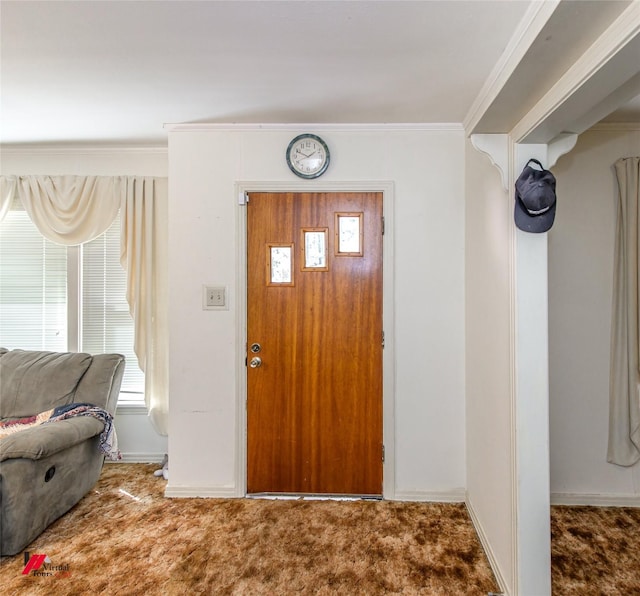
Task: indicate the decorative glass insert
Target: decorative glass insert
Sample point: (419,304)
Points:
(314,245)
(349,233)
(280,264)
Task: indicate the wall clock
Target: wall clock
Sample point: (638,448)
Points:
(307,156)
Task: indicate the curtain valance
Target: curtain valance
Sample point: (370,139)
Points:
(71,210)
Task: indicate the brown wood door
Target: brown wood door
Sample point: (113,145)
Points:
(314,403)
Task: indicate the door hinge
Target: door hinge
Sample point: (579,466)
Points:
(383,454)
(383,225)
(243,198)
(383,340)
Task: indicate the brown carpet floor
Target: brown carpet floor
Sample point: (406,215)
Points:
(125,538)
(595,550)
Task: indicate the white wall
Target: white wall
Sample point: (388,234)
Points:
(207,364)
(137,439)
(581,248)
(83,161)
(488,368)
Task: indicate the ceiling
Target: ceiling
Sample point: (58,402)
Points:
(116,72)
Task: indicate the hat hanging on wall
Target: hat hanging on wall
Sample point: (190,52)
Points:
(535,207)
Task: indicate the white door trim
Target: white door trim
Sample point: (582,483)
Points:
(386,187)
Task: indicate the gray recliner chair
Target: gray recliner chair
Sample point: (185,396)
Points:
(46,469)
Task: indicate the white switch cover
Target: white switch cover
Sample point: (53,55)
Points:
(214,298)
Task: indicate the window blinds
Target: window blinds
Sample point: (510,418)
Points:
(106,323)
(35,292)
(33,286)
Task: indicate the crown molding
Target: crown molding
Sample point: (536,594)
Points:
(289,127)
(615,127)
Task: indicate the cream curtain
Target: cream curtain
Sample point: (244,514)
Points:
(624,383)
(72,210)
(144,256)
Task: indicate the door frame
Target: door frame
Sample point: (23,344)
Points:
(386,187)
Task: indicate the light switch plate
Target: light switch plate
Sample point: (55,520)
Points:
(214,298)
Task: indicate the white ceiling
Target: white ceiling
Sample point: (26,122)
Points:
(115,72)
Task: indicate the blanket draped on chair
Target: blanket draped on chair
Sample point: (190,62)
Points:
(108,437)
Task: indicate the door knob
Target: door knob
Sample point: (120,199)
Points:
(256,361)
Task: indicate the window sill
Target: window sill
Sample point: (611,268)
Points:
(131,408)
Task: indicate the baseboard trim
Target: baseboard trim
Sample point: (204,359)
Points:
(223,492)
(206,492)
(486,545)
(450,496)
(132,457)
(596,499)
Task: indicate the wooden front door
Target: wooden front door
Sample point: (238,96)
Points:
(314,335)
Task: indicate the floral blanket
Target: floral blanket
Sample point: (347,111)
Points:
(108,438)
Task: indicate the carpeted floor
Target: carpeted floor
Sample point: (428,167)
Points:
(595,551)
(125,538)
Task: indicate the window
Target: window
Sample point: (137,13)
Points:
(33,287)
(60,298)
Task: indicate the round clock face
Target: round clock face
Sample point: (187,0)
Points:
(308,156)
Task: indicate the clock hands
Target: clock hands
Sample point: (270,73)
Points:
(305,155)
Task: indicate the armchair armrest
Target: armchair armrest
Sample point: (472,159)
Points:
(46,439)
